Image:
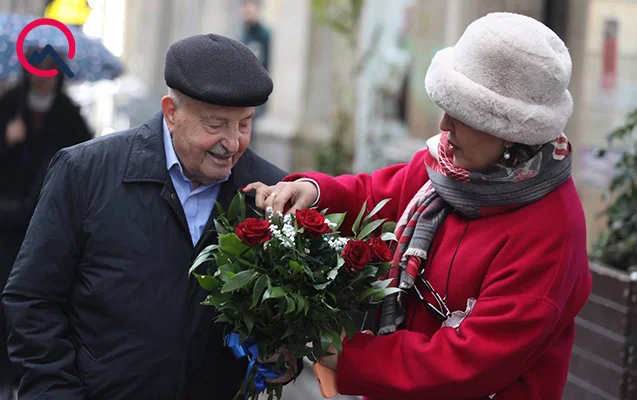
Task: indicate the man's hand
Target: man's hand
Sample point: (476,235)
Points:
(16,132)
(289,358)
(284,197)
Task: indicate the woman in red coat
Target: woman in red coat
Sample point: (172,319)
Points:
(492,236)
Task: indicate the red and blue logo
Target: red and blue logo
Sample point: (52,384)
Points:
(48,50)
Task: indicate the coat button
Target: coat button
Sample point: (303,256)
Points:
(173,196)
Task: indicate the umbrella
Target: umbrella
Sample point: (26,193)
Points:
(92,61)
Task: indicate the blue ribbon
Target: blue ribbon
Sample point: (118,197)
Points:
(250,350)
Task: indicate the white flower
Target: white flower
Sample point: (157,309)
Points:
(287,219)
(337,244)
(288,230)
(331,224)
(306,250)
(268,213)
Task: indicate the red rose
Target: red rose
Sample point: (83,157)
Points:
(356,255)
(253,231)
(380,250)
(313,222)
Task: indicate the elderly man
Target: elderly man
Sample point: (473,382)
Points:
(99,302)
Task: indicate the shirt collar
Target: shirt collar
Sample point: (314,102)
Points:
(171,156)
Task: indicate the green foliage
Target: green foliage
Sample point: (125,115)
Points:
(294,290)
(617,246)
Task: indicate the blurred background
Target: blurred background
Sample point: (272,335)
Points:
(349,97)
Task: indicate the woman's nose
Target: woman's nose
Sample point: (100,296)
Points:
(446,123)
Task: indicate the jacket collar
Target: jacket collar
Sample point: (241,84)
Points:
(147,157)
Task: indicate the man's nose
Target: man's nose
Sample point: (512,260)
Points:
(231,143)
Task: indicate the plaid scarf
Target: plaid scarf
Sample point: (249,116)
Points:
(474,195)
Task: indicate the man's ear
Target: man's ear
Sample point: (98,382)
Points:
(168,107)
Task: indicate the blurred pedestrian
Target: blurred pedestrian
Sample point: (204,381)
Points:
(492,257)
(255,34)
(100,302)
(36,120)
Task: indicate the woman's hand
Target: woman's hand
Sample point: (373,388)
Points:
(330,361)
(286,197)
(16,132)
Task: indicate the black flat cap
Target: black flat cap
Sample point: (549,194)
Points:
(217,70)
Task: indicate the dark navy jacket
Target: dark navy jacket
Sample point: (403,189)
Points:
(99,303)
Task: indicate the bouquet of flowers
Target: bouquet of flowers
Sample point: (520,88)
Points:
(291,282)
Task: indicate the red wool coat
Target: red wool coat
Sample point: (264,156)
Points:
(528,270)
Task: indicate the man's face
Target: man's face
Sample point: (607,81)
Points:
(208,139)
(250,11)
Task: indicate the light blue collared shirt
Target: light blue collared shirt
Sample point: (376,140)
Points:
(197,203)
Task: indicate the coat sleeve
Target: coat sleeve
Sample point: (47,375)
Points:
(347,193)
(508,329)
(38,287)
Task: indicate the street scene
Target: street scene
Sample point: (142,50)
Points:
(309,199)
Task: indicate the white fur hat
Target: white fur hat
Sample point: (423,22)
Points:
(507,76)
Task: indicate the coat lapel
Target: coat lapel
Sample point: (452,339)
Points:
(147,164)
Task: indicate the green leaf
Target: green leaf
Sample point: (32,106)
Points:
(382,284)
(369,228)
(337,219)
(333,274)
(198,261)
(306,308)
(282,307)
(221,230)
(220,209)
(380,295)
(215,299)
(239,280)
(389,226)
(359,218)
(322,286)
(301,303)
(291,305)
(375,211)
(336,340)
(382,269)
(207,282)
(326,340)
(259,288)
(231,244)
(249,318)
(274,293)
(223,318)
(234,210)
(367,293)
(388,236)
(248,254)
(349,326)
(295,267)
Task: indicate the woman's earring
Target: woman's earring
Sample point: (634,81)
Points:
(507,155)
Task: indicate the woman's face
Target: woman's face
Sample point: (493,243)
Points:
(472,149)
(45,85)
